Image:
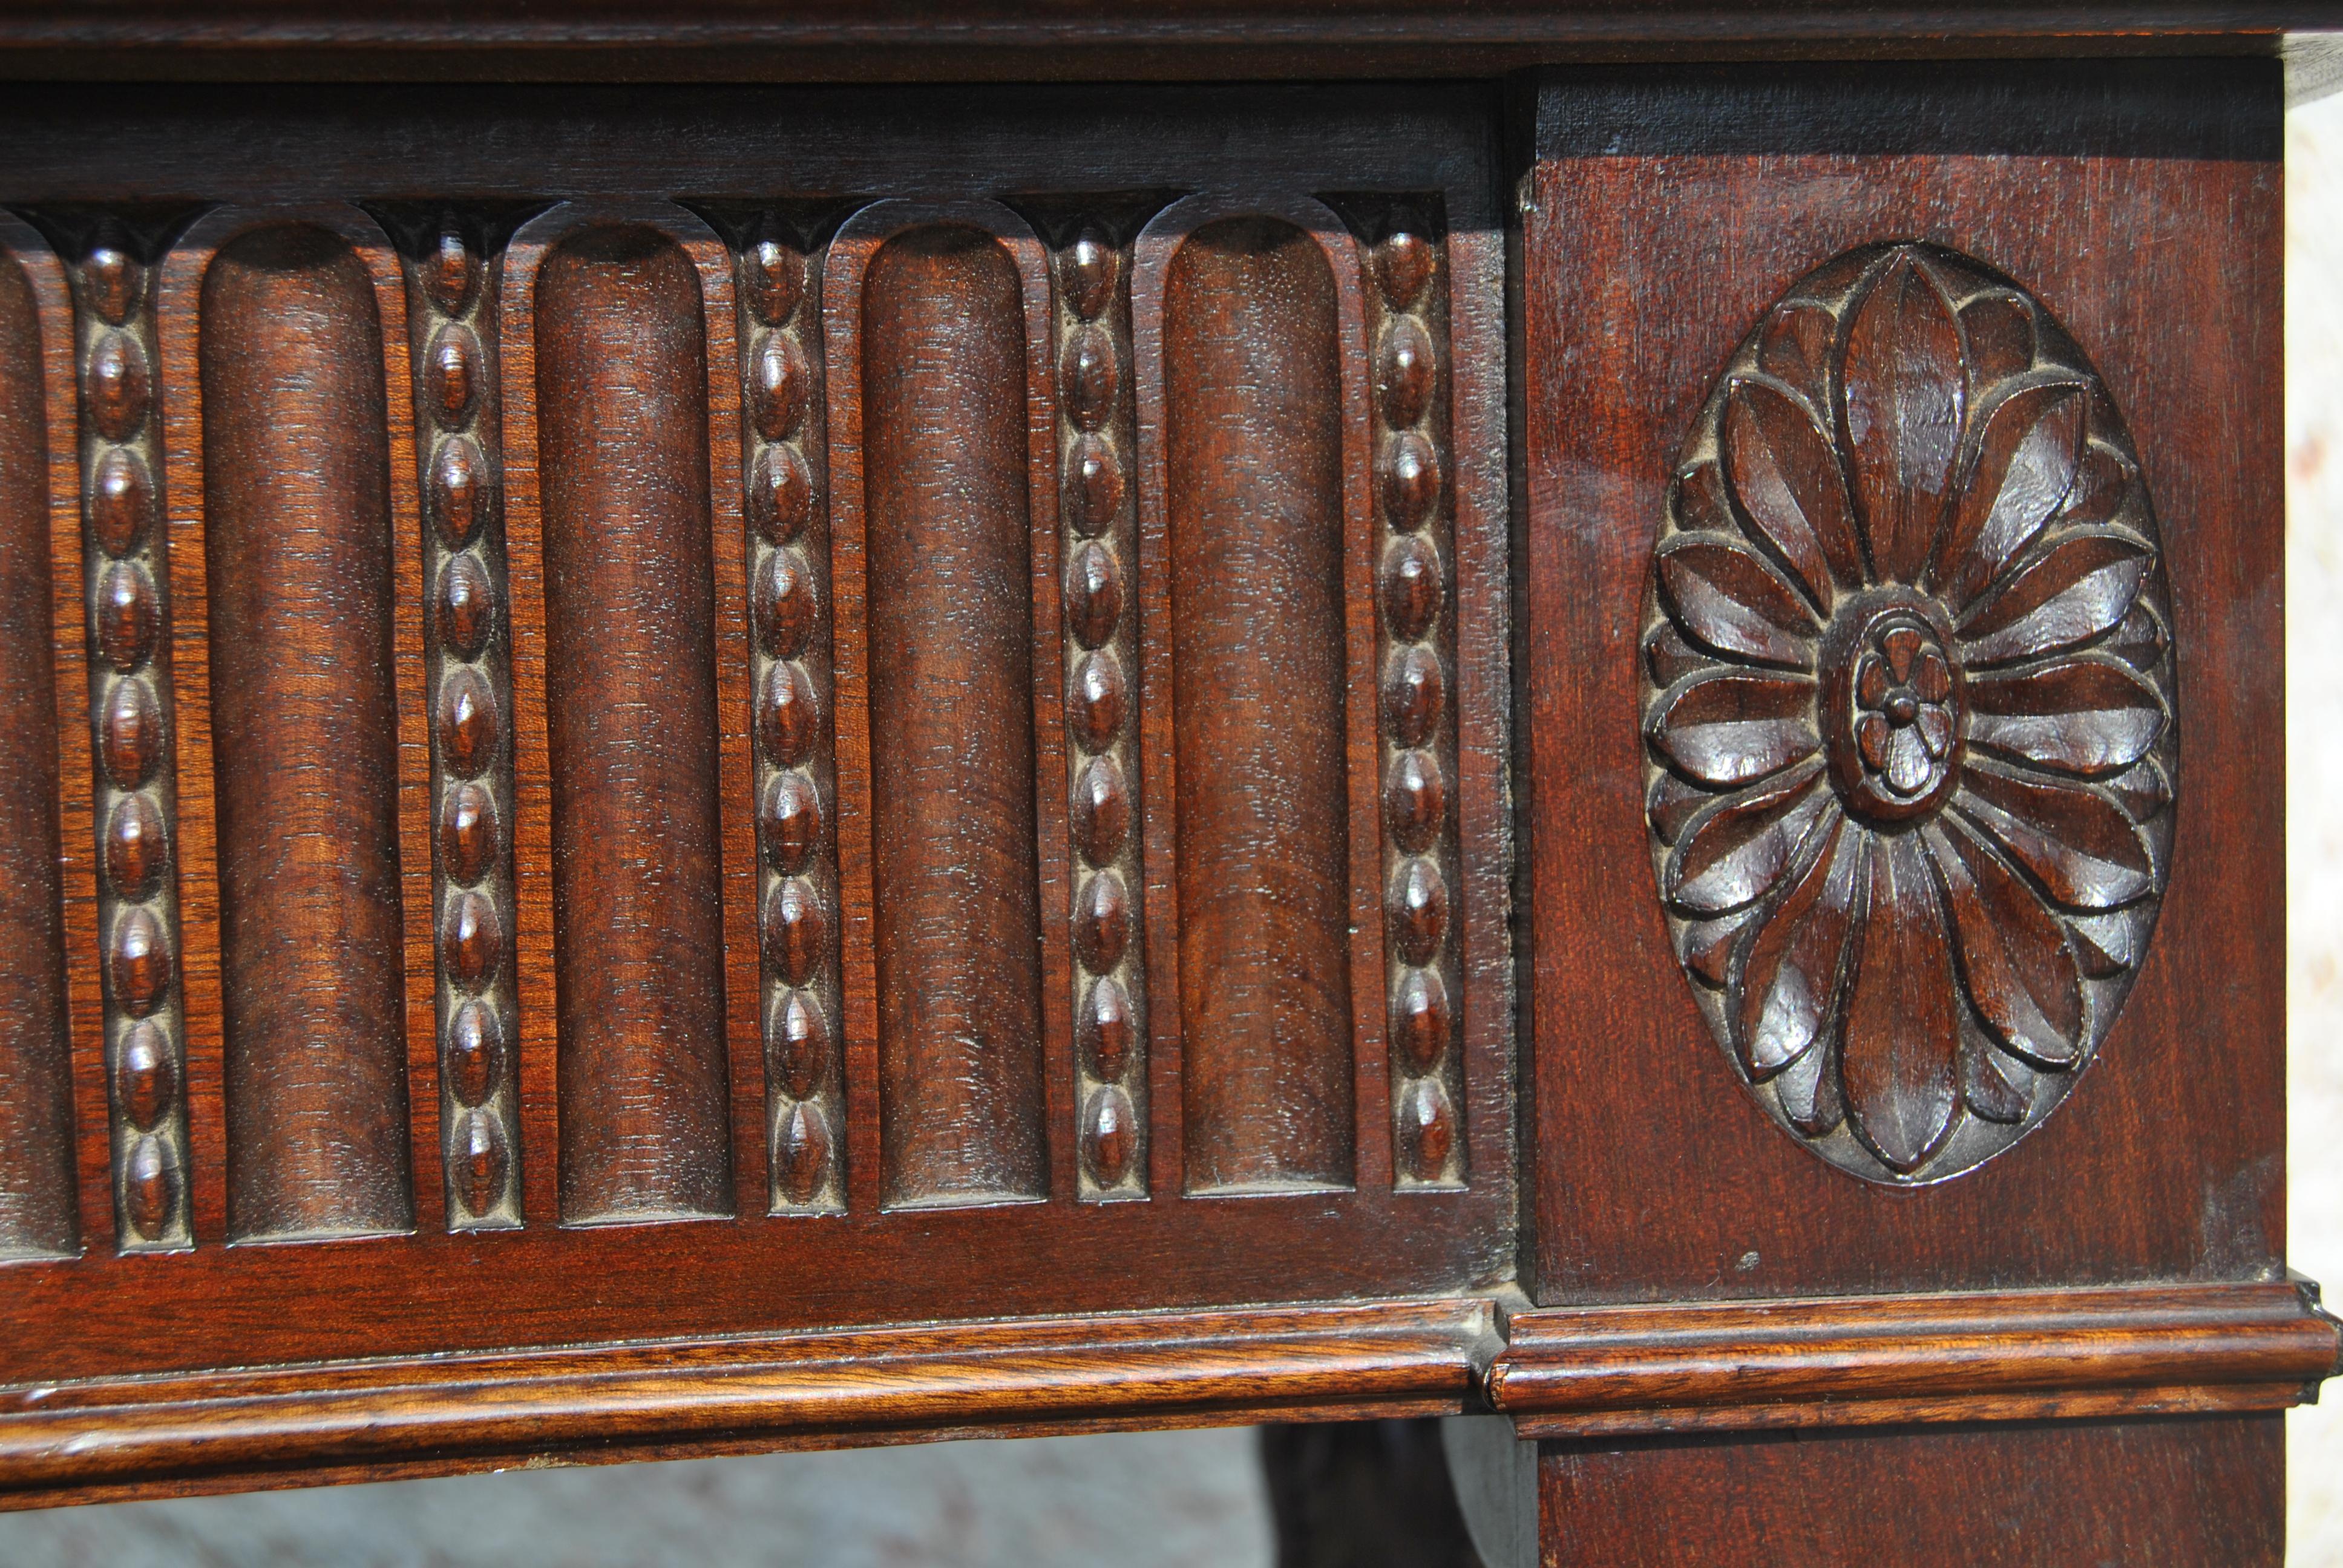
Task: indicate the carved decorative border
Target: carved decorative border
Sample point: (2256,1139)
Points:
(132,713)
(1711,1366)
(453,282)
(598,1404)
(785,473)
(1415,659)
(1911,742)
(1099,504)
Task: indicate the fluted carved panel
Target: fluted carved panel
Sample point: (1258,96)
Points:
(39,1214)
(936,323)
(618,331)
(1250,321)
(860,719)
(298,568)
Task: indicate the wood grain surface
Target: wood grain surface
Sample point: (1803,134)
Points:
(1254,445)
(305,739)
(1672,209)
(39,1208)
(623,418)
(955,891)
(635,414)
(1880,1360)
(377,1420)
(2193,1493)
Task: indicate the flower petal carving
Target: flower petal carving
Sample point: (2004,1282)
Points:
(2077,842)
(1728,727)
(1788,481)
(1987,1090)
(1999,331)
(1906,393)
(2102,484)
(1727,599)
(1700,500)
(2066,594)
(1734,851)
(1795,348)
(1903,1037)
(1790,984)
(1909,726)
(2020,972)
(2025,467)
(2087,714)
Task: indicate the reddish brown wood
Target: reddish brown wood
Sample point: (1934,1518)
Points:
(1253,431)
(787,623)
(456,625)
(1012,1378)
(1966,694)
(1677,209)
(39,1210)
(305,737)
(1709,1366)
(955,894)
(1100,1082)
(619,332)
(431,1294)
(2205,1493)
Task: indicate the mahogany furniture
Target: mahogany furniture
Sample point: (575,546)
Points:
(1579,726)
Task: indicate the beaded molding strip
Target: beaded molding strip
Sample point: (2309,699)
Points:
(452,291)
(127,579)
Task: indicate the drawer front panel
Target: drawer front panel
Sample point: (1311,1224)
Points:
(832,725)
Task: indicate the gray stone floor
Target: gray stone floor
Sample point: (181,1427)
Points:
(1140,1500)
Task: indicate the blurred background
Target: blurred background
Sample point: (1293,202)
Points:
(2314,781)
(1177,1500)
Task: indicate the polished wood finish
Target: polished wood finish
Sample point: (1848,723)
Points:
(1681,204)
(1953,691)
(371,1420)
(792,654)
(617,323)
(598,492)
(297,533)
(953,419)
(39,1214)
(452,297)
(1253,423)
(1712,1366)
(1105,772)
(925,680)
(2203,1494)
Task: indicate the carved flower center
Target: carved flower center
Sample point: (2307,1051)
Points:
(1893,699)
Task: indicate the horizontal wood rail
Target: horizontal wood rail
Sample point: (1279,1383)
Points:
(358,1421)
(1880,1360)
(1599,1372)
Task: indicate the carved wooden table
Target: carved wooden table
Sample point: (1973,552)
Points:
(713,766)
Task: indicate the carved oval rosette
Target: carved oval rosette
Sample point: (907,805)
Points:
(1908,712)
(1096,414)
(1407,303)
(453,282)
(133,720)
(790,671)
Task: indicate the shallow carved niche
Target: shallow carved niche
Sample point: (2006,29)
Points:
(1908,712)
